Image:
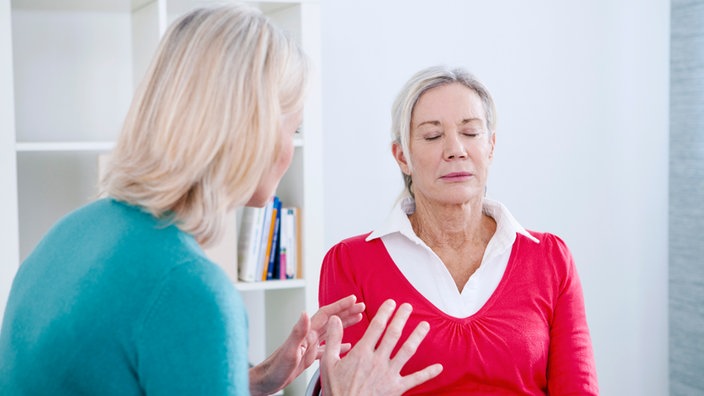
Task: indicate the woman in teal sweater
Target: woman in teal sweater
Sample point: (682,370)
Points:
(118,298)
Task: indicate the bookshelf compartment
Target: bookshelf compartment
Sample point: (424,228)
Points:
(49,185)
(272,314)
(72,74)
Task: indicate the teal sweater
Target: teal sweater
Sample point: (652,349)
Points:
(111,302)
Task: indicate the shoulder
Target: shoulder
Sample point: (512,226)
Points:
(550,253)
(354,252)
(546,241)
(357,240)
(355,245)
(199,277)
(107,218)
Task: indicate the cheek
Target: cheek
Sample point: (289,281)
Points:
(284,160)
(424,160)
(287,156)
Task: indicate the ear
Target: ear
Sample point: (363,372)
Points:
(400,158)
(492,142)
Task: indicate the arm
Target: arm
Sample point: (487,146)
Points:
(337,280)
(302,347)
(368,369)
(571,368)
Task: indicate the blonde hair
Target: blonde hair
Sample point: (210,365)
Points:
(415,87)
(203,126)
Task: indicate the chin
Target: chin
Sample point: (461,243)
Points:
(460,198)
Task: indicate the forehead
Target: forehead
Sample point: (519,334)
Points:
(454,101)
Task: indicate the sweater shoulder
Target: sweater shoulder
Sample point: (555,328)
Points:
(357,245)
(360,239)
(550,253)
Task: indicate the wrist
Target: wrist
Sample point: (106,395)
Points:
(260,380)
(256,381)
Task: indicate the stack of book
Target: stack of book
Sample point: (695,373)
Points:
(269,244)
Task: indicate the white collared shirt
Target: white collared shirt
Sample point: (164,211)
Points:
(427,273)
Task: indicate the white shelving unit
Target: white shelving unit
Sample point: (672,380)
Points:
(74,65)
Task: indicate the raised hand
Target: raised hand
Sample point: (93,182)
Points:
(302,346)
(370,370)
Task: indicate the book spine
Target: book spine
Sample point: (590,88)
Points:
(263,241)
(248,243)
(298,219)
(274,249)
(288,237)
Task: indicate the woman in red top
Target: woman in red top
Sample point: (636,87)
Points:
(504,305)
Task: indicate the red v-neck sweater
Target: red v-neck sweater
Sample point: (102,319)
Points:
(530,338)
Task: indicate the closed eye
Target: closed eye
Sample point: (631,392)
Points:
(471,133)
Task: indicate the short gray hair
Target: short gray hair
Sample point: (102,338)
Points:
(415,87)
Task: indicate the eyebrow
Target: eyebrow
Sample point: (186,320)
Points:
(465,121)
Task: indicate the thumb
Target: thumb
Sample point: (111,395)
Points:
(300,330)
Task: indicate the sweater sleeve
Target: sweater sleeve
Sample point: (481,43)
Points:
(338,279)
(571,367)
(193,338)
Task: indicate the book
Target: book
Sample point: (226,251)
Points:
(297,243)
(263,241)
(269,224)
(249,242)
(272,272)
(288,250)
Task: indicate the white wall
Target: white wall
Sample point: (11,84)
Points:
(582,95)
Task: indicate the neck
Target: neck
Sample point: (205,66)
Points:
(452,225)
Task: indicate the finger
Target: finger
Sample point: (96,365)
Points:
(352,315)
(410,346)
(394,329)
(332,344)
(417,378)
(344,348)
(320,318)
(339,305)
(312,352)
(300,331)
(347,320)
(377,326)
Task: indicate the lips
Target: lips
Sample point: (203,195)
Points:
(456,176)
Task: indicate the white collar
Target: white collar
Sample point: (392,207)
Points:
(397,221)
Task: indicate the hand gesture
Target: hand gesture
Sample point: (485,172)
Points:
(302,347)
(368,369)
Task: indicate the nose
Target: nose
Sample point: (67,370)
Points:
(454,147)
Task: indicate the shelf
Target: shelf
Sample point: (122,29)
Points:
(84,146)
(271,285)
(63,146)
(80,5)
